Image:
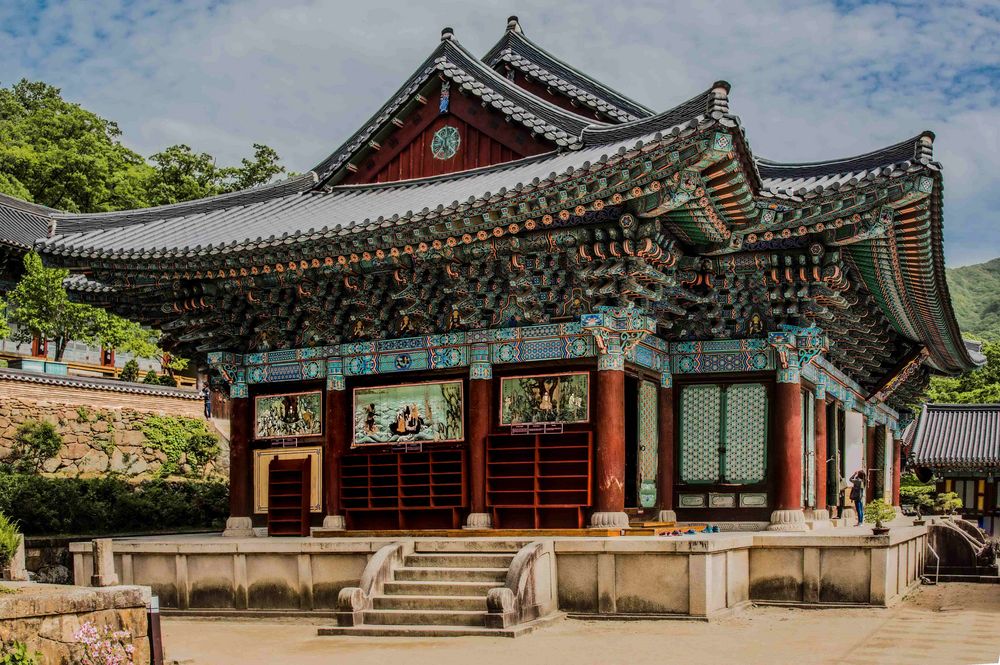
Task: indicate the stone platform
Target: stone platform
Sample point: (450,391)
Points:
(700,576)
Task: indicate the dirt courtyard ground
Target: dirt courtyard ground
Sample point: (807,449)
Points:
(950,623)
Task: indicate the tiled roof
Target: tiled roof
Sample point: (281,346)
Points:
(22,223)
(288,213)
(532,60)
(93,383)
(560,127)
(958,436)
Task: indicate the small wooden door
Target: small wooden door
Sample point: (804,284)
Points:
(288,497)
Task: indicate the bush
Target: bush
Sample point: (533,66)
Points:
(130,372)
(10,539)
(34,442)
(178,436)
(167,380)
(151,377)
(947,503)
(16,653)
(108,505)
(879,511)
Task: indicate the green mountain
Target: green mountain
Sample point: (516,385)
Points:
(975,295)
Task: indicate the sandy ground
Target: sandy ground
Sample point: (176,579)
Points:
(951,623)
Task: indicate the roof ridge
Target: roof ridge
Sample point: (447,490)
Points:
(915,141)
(26,206)
(621,101)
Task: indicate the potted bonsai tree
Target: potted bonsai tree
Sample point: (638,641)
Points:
(947,503)
(879,511)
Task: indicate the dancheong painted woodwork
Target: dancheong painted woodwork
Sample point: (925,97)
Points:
(509,217)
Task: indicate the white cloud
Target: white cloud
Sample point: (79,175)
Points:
(812,80)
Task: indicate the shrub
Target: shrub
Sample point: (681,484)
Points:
(104,645)
(16,653)
(130,372)
(34,442)
(151,377)
(947,503)
(110,504)
(178,436)
(167,380)
(10,539)
(879,511)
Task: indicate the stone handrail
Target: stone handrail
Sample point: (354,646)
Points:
(353,601)
(529,591)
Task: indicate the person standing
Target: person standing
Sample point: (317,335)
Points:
(858,494)
(206,395)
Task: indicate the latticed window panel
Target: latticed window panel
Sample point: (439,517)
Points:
(746,433)
(701,429)
(648,443)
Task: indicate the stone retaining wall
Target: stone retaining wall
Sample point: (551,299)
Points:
(46,618)
(96,440)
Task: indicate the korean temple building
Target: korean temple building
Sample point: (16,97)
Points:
(516,298)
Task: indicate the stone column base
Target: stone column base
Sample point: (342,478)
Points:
(479,521)
(788,520)
(818,515)
(609,521)
(239,527)
(334,523)
(667,516)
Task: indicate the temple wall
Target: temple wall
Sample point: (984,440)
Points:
(101,433)
(698,576)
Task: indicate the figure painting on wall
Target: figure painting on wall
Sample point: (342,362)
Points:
(551,398)
(296,414)
(410,413)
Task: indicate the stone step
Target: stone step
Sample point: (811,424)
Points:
(459,560)
(467,546)
(425,631)
(424,617)
(451,574)
(400,602)
(423,588)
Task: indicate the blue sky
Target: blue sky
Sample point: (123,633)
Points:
(812,79)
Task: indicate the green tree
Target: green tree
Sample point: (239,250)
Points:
(56,153)
(42,309)
(981,386)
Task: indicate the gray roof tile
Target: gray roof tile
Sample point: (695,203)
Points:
(957,436)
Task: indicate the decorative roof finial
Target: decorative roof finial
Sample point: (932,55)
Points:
(447,33)
(513,25)
(925,146)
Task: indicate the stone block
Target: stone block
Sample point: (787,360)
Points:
(95,461)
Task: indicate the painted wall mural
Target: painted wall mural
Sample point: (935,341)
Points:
(547,398)
(410,413)
(288,415)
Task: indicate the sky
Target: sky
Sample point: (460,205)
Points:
(812,79)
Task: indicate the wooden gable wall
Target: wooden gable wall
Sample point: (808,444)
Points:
(487,138)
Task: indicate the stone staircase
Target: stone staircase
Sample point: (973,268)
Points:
(434,589)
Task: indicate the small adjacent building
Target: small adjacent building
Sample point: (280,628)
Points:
(516,298)
(960,445)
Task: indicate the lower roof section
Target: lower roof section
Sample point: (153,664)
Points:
(958,436)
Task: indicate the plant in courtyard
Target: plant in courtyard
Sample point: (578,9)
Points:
(151,377)
(16,653)
(947,503)
(10,539)
(130,372)
(879,511)
(34,442)
(180,437)
(104,645)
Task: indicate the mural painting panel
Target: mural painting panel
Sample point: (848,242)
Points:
(548,398)
(288,415)
(410,413)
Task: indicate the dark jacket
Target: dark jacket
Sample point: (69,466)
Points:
(857,489)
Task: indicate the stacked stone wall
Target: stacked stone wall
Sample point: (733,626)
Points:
(99,439)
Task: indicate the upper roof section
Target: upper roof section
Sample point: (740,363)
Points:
(464,74)
(534,68)
(958,436)
(22,223)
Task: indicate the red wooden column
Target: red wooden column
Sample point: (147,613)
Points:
(665,457)
(337,444)
(480,401)
(897,463)
(870,471)
(610,457)
(787,466)
(820,421)
(239,523)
